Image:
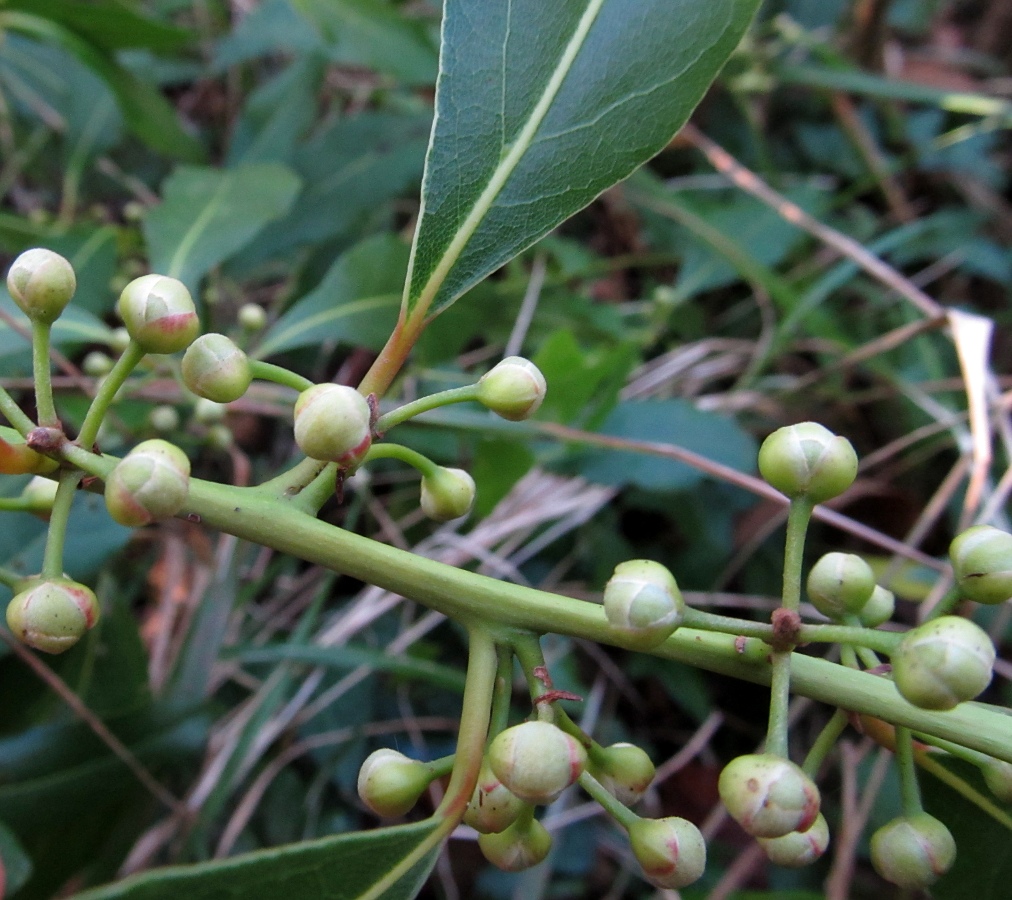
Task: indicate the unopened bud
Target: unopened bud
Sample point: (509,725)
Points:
(150,483)
(840,584)
(671,851)
(390,783)
(536,760)
(493,807)
(159,314)
(913,851)
(798,848)
(624,770)
(447,494)
(52,615)
(808,460)
(998,778)
(41,283)
(164,418)
(39,495)
(513,389)
(982,561)
(252,317)
(96,364)
(879,609)
(768,796)
(215,368)
(333,423)
(523,844)
(943,662)
(643,600)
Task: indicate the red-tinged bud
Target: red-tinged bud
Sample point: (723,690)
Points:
(536,760)
(52,615)
(624,770)
(768,796)
(159,314)
(671,851)
(150,483)
(798,848)
(523,844)
(20,459)
(333,422)
(913,851)
(493,807)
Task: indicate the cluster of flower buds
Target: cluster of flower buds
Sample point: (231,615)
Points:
(52,614)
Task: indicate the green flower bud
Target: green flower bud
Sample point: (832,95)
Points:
(982,560)
(536,761)
(390,783)
(219,437)
(643,600)
(159,314)
(208,412)
(215,368)
(96,364)
(333,422)
(523,844)
(671,851)
(252,317)
(164,418)
(41,283)
(52,615)
(798,848)
(998,778)
(808,460)
(943,662)
(119,339)
(913,851)
(879,608)
(151,482)
(624,770)
(840,583)
(39,494)
(768,796)
(447,494)
(493,807)
(513,389)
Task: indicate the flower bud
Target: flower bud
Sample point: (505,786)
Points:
(798,848)
(41,283)
(671,851)
(536,761)
(215,368)
(493,807)
(513,389)
(219,437)
(808,460)
(390,783)
(159,314)
(208,412)
(523,844)
(119,339)
(998,778)
(52,615)
(879,609)
(252,317)
(96,364)
(20,459)
(943,662)
(643,600)
(913,851)
(151,482)
(768,796)
(39,495)
(164,418)
(840,583)
(624,770)
(447,494)
(982,561)
(333,422)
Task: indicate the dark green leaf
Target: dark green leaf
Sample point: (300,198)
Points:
(15,866)
(342,867)
(356,302)
(539,108)
(209,214)
(75,326)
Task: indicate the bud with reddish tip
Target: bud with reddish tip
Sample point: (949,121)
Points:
(513,389)
(52,615)
(150,483)
(840,584)
(523,844)
(536,760)
(798,848)
(493,807)
(159,314)
(671,851)
(447,494)
(808,460)
(768,796)
(333,422)
(41,283)
(879,609)
(624,770)
(390,783)
(913,851)
(643,600)
(216,369)
(982,561)
(943,662)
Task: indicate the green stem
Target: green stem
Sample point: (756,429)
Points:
(14,414)
(405,454)
(52,561)
(780,700)
(424,404)
(827,738)
(43,381)
(946,605)
(291,483)
(474,720)
(910,791)
(107,392)
(528,650)
(855,635)
(9,577)
(618,811)
(278,375)
(957,750)
(503,694)
(798,517)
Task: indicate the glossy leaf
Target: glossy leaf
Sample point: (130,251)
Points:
(539,108)
(209,214)
(356,302)
(342,867)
